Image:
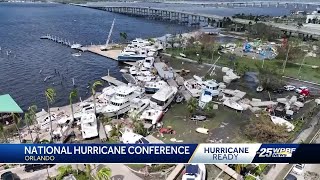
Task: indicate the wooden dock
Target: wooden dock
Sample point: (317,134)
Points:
(112,80)
(96,49)
(102,132)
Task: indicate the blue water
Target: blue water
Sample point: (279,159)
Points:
(21,26)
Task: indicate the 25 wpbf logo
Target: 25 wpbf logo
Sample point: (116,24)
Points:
(275,152)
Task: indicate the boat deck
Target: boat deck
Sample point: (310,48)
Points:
(112,80)
(172,82)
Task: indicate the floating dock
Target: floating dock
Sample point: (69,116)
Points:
(113,80)
(96,49)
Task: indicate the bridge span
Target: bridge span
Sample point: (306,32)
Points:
(194,19)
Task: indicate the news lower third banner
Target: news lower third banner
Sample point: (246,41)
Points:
(159,153)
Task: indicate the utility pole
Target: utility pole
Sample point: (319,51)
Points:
(285,62)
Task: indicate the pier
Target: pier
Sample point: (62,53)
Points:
(96,49)
(112,80)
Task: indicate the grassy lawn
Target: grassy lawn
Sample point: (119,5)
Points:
(307,73)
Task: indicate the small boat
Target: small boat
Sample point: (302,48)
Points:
(198,118)
(40,71)
(128,77)
(232,104)
(124,70)
(76,54)
(138,105)
(194,86)
(76,46)
(182,55)
(151,116)
(259,89)
(194,172)
(205,98)
(281,121)
(179,99)
(202,130)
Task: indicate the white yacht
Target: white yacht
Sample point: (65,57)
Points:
(89,126)
(107,93)
(194,86)
(205,97)
(212,86)
(148,62)
(281,121)
(163,98)
(151,116)
(140,42)
(120,102)
(233,104)
(64,125)
(152,87)
(194,172)
(132,55)
(138,105)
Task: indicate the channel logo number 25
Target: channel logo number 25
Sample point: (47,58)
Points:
(265,152)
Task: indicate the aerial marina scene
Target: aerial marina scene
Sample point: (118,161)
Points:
(143,72)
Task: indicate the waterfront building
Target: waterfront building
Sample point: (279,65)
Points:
(7,107)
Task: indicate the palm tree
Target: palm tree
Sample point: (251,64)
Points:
(16,121)
(73,94)
(192,105)
(88,171)
(123,36)
(93,91)
(30,117)
(50,95)
(238,167)
(104,174)
(2,130)
(64,171)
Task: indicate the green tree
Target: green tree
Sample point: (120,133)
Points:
(93,91)
(104,173)
(262,129)
(3,131)
(192,105)
(50,95)
(16,120)
(64,171)
(30,118)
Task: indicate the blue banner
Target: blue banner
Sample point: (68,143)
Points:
(96,153)
(159,153)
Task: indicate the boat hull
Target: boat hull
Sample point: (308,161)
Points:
(130,58)
(151,90)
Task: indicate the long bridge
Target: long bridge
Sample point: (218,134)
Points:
(192,18)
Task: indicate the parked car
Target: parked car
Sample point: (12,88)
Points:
(289,88)
(299,90)
(9,176)
(36,167)
(290,177)
(298,169)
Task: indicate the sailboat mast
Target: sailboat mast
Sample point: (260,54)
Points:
(110,32)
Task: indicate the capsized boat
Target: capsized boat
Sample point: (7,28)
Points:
(194,172)
(202,130)
(232,104)
(281,121)
(205,97)
(194,86)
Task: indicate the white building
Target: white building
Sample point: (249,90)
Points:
(314,17)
